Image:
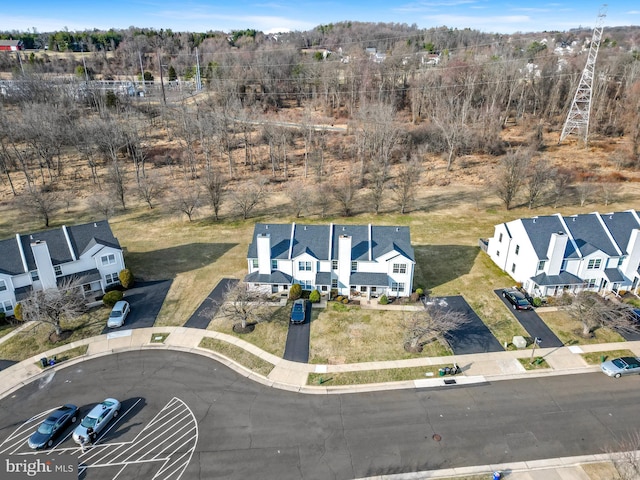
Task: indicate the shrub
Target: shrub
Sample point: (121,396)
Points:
(295,292)
(126,278)
(345,300)
(383,300)
(339,298)
(537,302)
(110,298)
(3,317)
(420,291)
(17,312)
(314,297)
(415,296)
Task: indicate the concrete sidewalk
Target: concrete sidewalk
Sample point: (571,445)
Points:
(293,376)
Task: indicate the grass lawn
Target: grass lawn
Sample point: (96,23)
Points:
(376,376)
(538,363)
(270,336)
(238,354)
(6,329)
(69,354)
(569,330)
(596,358)
(353,335)
(33,340)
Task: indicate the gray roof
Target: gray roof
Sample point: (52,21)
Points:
(369,278)
(621,224)
(323,278)
(539,230)
(275,277)
(589,235)
(565,278)
(614,275)
(315,240)
(81,278)
(82,238)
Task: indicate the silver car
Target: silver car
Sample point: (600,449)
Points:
(97,419)
(621,366)
(118,314)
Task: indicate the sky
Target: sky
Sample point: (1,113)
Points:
(272,16)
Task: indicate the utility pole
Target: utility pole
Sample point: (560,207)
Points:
(578,117)
(142,70)
(198,81)
(164,96)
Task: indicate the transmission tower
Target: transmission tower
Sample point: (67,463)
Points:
(578,118)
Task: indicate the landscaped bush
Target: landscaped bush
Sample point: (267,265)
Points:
(126,278)
(110,298)
(295,292)
(420,291)
(3,317)
(383,300)
(537,302)
(339,298)
(345,300)
(17,312)
(314,297)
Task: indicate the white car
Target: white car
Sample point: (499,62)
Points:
(118,314)
(97,419)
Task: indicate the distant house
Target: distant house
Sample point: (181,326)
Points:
(11,45)
(354,260)
(553,254)
(88,253)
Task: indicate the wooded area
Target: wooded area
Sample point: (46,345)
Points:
(342,119)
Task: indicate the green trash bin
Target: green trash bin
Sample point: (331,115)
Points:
(441,372)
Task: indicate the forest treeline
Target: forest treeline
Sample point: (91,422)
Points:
(405,94)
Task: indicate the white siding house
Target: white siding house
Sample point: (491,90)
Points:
(89,253)
(355,260)
(553,254)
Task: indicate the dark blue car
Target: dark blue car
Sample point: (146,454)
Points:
(56,423)
(299,311)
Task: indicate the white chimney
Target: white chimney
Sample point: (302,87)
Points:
(555,252)
(263,241)
(344,263)
(43,264)
(630,265)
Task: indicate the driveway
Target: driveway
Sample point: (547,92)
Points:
(208,308)
(472,337)
(146,299)
(297,346)
(533,324)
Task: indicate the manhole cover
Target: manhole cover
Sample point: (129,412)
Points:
(436,437)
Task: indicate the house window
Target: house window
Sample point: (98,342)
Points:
(397,287)
(517,249)
(354,266)
(6,307)
(34,275)
(564,265)
(304,266)
(334,264)
(109,259)
(86,288)
(620,261)
(111,278)
(399,268)
(594,264)
(58,270)
(363,288)
(254,263)
(3,285)
(497,253)
(373,289)
(274,264)
(324,288)
(334,283)
(513,268)
(541,265)
(500,238)
(590,283)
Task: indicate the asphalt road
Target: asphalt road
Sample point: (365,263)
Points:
(208,308)
(146,299)
(533,324)
(247,430)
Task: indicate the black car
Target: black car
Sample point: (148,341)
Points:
(56,423)
(299,311)
(517,299)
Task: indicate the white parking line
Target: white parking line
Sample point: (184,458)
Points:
(21,434)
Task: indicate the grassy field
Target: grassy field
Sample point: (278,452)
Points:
(569,331)
(375,376)
(596,358)
(238,354)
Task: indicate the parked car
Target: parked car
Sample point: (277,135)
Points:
(299,311)
(56,423)
(517,299)
(97,419)
(118,314)
(621,366)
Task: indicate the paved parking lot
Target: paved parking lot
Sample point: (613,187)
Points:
(162,449)
(146,299)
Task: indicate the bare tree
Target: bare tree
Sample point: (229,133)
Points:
(186,198)
(511,175)
(610,192)
(378,178)
(53,305)
(424,326)
(39,202)
(215,186)
(561,180)
(537,180)
(321,198)
(245,307)
(405,183)
(626,456)
(247,197)
(586,190)
(344,191)
(593,311)
(150,187)
(102,203)
(299,197)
